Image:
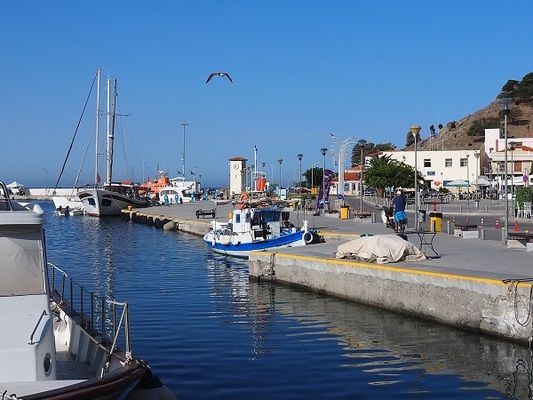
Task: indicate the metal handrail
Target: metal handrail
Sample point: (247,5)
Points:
(89,304)
(36,326)
(6,199)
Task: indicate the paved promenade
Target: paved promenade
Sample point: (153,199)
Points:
(487,258)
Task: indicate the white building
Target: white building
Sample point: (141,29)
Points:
(237,175)
(442,167)
(519,158)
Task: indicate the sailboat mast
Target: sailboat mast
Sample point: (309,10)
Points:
(109,149)
(97,130)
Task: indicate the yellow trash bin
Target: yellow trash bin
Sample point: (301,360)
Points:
(435,221)
(345,212)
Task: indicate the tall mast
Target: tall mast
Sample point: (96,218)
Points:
(111,113)
(97,130)
(254,184)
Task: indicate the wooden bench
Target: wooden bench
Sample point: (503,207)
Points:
(204,213)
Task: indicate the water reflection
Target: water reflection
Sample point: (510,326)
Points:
(390,349)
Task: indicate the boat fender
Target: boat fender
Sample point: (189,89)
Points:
(37,209)
(151,388)
(308,237)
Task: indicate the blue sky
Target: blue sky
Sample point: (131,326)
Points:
(301,69)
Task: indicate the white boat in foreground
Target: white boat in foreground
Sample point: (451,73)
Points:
(57,340)
(257,229)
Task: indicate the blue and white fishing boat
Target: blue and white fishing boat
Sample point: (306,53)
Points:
(252,229)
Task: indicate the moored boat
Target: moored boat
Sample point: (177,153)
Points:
(112,198)
(61,341)
(251,229)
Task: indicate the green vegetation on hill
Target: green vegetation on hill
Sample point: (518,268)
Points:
(520,91)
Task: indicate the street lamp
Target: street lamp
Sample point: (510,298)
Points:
(477,154)
(415,130)
(323,150)
(468,182)
(280,161)
(184,124)
(505,105)
(361,143)
(512,147)
(300,156)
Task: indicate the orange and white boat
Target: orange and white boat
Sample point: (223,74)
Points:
(152,187)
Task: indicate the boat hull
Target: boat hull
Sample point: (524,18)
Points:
(101,202)
(239,249)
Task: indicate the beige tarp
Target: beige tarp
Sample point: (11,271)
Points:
(381,249)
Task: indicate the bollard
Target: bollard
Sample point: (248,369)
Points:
(373,217)
(460,208)
(504,236)
(448,227)
(487,209)
(482,232)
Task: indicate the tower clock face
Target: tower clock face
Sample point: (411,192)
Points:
(235,166)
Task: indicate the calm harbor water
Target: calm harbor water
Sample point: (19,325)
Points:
(209,333)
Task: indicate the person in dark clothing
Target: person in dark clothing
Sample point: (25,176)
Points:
(398,205)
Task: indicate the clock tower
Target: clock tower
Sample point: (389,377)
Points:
(237,175)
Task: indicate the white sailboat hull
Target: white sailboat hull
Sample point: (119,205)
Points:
(101,202)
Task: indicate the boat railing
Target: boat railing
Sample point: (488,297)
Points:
(5,201)
(102,317)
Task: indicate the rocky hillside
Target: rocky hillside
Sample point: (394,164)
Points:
(468,132)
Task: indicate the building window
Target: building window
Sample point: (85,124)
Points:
(427,162)
(464,162)
(430,173)
(448,162)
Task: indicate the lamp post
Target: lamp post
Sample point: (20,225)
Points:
(184,124)
(468,182)
(477,154)
(300,156)
(512,147)
(280,161)
(505,106)
(361,143)
(415,130)
(323,150)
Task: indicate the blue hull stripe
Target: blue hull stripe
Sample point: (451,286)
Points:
(259,245)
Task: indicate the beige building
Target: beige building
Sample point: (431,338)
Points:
(237,175)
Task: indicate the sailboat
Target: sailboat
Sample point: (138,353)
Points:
(112,197)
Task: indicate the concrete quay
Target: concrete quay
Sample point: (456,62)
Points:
(180,217)
(477,285)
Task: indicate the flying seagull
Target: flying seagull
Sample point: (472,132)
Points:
(221,74)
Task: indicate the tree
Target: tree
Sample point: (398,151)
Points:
(385,172)
(313,175)
(369,148)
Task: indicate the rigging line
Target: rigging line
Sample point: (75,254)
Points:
(82,162)
(75,133)
(123,147)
